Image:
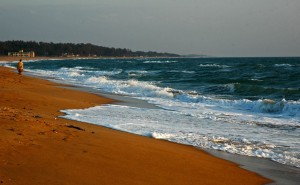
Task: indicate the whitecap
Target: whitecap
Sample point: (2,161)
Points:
(159,61)
(283,65)
(213,65)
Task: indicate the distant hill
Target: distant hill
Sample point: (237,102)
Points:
(70,49)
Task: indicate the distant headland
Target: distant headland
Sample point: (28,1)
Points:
(46,49)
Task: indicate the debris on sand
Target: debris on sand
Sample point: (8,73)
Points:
(75,127)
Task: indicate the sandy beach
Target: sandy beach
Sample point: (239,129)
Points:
(38,147)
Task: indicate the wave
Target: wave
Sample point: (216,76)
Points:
(151,90)
(24,61)
(4,64)
(268,107)
(128,87)
(283,65)
(256,80)
(182,71)
(102,80)
(213,65)
(140,73)
(159,61)
(255,90)
(105,81)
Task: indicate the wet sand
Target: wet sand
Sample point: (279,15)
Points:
(281,174)
(38,147)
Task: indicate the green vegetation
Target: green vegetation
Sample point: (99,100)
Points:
(70,49)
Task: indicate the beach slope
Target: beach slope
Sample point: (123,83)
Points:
(38,147)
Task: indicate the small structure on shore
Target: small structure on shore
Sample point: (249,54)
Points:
(21,53)
(69,55)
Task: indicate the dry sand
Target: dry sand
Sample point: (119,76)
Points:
(37,147)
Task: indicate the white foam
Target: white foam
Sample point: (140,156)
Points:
(129,87)
(108,73)
(165,136)
(213,65)
(140,73)
(195,128)
(257,80)
(231,87)
(159,61)
(74,74)
(283,65)
(182,71)
(4,64)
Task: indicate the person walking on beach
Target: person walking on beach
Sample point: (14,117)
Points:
(20,67)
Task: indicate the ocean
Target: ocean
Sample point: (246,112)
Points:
(246,106)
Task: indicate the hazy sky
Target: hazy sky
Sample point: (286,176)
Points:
(211,27)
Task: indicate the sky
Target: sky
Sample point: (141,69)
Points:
(222,28)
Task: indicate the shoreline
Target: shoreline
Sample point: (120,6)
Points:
(38,147)
(279,173)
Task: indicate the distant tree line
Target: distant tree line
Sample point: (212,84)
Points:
(62,49)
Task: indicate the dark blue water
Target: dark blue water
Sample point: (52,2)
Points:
(233,78)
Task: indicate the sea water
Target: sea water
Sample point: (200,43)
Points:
(246,106)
